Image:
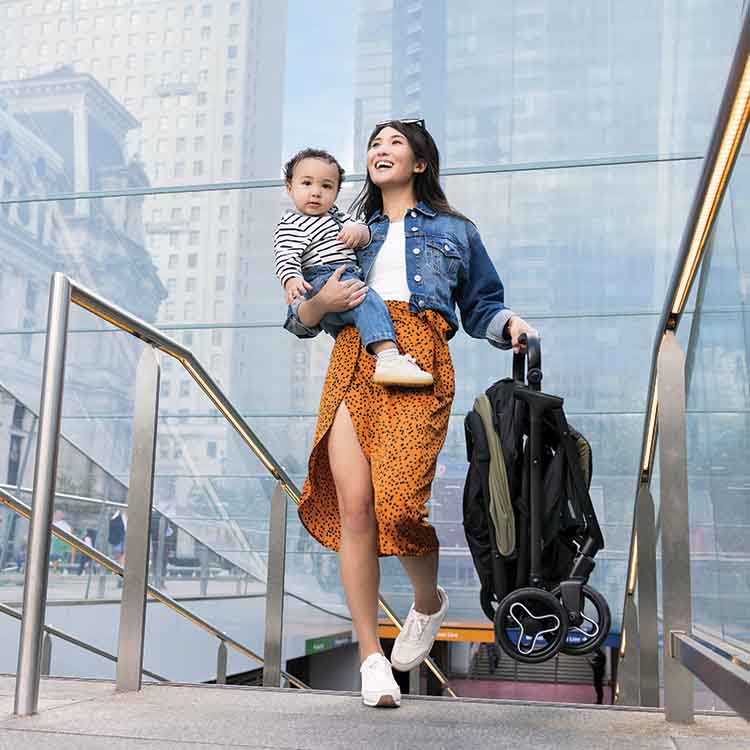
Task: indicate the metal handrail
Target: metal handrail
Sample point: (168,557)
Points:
(63,636)
(116,316)
(732,120)
(22,509)
(114,504)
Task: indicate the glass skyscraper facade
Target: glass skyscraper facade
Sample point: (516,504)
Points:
(570,133)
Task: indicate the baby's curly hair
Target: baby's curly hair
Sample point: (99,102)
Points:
(312,153)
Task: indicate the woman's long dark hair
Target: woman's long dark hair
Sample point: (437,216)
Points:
(427,186)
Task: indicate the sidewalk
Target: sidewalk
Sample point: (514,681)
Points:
(90,715)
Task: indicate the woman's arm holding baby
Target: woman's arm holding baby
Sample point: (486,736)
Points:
(334,296)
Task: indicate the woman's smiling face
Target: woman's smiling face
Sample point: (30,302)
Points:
(390,159)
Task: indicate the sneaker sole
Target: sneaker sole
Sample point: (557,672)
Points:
(414,382)
(410,665)
(386,700)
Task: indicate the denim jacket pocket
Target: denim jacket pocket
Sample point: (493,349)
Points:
(445,256)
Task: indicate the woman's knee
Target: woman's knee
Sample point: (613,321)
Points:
(357,514)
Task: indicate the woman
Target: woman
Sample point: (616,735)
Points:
(376,448)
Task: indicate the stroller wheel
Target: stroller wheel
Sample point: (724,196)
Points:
(530,625)
(597,620)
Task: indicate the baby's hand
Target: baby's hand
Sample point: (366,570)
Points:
(354,235)
(295,287)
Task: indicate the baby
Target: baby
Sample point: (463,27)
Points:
(316,238)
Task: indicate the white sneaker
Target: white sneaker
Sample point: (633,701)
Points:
(417,636)
(400,370)
(379,688)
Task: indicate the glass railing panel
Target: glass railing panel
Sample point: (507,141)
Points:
(719,425)
(203,98)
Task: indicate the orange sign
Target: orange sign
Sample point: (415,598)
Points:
(472,632)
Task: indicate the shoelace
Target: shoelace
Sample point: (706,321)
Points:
(379,665)
(414,626)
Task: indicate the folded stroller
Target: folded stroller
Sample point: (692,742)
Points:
(529,521)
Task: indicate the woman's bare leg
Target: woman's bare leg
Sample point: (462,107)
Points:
(358,552)
(422,572)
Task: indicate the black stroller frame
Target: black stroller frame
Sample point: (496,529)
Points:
(539,615)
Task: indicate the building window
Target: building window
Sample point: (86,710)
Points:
(190,284)
(232,51)
(206,33)
(184,388)
(200,120)
(211,449)
(192,260)
(226,167)
(194,238)
(172,262)
(179,169)
(234,9)
(189,310)
(224,213)
(221,283)
(187,339)
(223,237)
(198,143)
(197,168)
(202,98)
(216,338)
(221,260)
(228,118)
(227,142)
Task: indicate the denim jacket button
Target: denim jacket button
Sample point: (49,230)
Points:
(421,303)
(417,278)
(413,214)
(415,229)
(446,248)
(416,251)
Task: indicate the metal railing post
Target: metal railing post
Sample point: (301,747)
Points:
(628,668)
(675,527)
(46,664)
(137,537)
(45,471)
(161,552)
(221,664)
(203,557)
(648,629)
(275,589)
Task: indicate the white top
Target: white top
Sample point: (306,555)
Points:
(388,273)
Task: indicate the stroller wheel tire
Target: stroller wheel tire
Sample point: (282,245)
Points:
(590,634)
(530,625)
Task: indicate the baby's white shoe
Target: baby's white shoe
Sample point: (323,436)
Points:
(400,369)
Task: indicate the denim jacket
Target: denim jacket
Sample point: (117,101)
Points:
(446,265)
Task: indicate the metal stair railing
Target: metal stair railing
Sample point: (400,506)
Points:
(686,653)
(63,292)
(63,636)
(26,511)
(113,504)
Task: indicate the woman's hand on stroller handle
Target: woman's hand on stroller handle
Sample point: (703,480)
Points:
(519,332)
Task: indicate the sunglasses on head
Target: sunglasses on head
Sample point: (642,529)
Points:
(418,121)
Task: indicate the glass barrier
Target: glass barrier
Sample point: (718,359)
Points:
(718,406)
(196,93)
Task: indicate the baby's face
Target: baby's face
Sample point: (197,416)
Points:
(314,186)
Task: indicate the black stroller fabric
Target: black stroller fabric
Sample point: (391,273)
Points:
(567,469)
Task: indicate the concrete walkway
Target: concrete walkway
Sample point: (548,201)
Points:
(90,715)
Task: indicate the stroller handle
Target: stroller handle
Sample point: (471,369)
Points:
(534,353)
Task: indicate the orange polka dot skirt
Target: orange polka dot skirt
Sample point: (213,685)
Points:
(401,431)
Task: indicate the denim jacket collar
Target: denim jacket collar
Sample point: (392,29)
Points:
(421,206)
